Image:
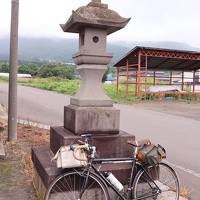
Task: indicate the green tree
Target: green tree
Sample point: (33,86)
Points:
(28,69)
(57,70)
(4,68)
(69,72)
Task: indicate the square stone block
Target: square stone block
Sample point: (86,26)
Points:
(107,145)
(93,119)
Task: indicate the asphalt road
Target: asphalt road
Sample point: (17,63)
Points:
(179,135)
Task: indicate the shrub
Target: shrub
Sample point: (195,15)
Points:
(57,70)
(28,69)
(4,68)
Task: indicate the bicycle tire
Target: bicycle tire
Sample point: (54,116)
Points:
(68,186)
(168,183)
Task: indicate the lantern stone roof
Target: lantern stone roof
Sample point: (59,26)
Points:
(96,15)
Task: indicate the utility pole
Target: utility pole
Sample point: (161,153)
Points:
(13,62)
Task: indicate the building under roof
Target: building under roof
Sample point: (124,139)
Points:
(147,68)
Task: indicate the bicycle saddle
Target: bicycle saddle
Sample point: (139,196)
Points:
(139,143)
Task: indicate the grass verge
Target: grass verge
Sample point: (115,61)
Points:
(70,87)
(3,79)
(65,86)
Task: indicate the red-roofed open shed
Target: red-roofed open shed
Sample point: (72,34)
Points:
(147,68)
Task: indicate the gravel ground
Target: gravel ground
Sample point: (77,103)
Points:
(178,108)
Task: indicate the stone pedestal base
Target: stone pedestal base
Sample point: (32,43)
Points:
(45,171)
(95,119)
(107,146)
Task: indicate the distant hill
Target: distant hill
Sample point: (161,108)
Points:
(56,49)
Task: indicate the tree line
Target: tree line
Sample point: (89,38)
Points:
(46,70)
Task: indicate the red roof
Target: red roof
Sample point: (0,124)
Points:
(162,59)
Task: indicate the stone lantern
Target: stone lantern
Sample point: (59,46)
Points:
(90,109)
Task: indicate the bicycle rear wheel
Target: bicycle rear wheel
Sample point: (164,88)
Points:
(162,176)
(70,185)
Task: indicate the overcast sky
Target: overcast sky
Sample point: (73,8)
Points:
(152,20)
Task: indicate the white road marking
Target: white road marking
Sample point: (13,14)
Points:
(189,171)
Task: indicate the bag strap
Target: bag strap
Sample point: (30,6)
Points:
(163,153)
(56,155)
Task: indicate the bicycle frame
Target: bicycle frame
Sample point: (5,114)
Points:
(135,165)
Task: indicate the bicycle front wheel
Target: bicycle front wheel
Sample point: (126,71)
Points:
(160,183)
(77,185)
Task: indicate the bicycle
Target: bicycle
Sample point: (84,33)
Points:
(157,182)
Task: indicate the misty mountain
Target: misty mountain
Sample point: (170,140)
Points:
(57,49)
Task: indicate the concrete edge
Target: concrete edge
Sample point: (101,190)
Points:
(34,124)
(2,151)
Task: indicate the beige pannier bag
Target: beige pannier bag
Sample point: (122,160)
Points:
(68,158)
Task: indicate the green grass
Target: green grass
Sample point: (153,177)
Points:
(3,79)
(53,84)
(121,97)
(70,87)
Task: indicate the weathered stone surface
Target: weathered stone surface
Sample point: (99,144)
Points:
(93,23)
(43,165)
(96,15)
(97,120)
(91,93)
(107,145)
(39,186)
(47,170)
(92,58)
